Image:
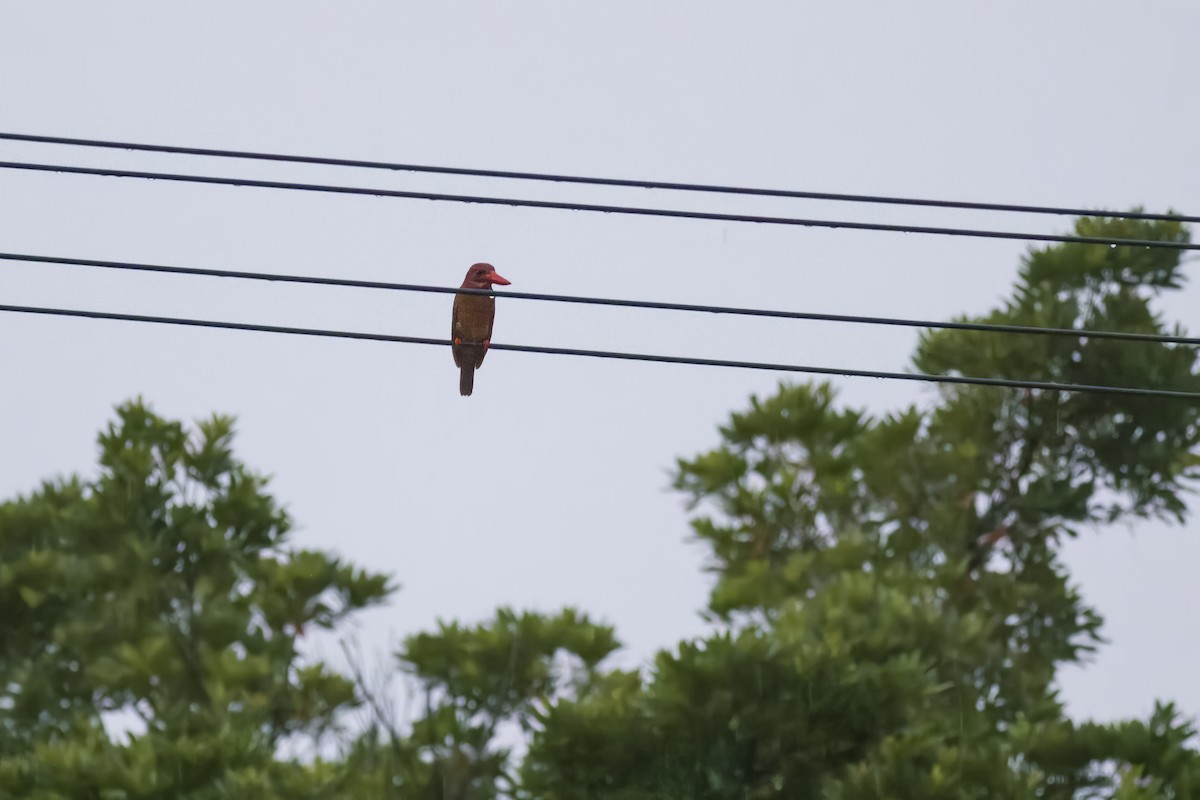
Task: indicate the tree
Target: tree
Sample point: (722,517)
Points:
(481,688)
(890,601)
(890,608)
(477,680)
(165,592)
(164,589)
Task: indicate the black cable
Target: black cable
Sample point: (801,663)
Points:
(570,351)
(603,301)
(650,212)
(626,182)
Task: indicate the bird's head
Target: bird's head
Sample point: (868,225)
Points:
(483,276)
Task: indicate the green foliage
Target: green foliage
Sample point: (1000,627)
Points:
(164,589)
(1085,457)
(891,604)
(889,607)
(477,680)
(758,713)
(1159,756)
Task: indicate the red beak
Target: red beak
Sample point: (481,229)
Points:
(495,277)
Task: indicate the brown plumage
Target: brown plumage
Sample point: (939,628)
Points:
(471,324)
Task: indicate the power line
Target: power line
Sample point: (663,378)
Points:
(593,181)
(634,210)
(570,351)
(603,301)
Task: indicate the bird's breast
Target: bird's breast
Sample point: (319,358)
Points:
(473,315)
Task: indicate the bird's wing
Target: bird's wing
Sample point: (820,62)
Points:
(456,332)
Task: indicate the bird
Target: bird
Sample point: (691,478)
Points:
(471,323)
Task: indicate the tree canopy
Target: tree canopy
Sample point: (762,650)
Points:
(890,601)
(165,591)
(889,609)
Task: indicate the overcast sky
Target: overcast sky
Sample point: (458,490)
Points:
(549,485)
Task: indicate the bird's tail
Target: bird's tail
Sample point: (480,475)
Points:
(466,379)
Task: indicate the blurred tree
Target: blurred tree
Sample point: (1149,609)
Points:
(481,687)
(889,608)
(890,602)
(150,621)
(163,596)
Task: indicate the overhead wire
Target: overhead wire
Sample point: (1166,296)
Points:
(570,351)
(595,207)
(593,181)
(603,301)
(1014,329)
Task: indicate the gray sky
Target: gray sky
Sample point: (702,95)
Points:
(548,486)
